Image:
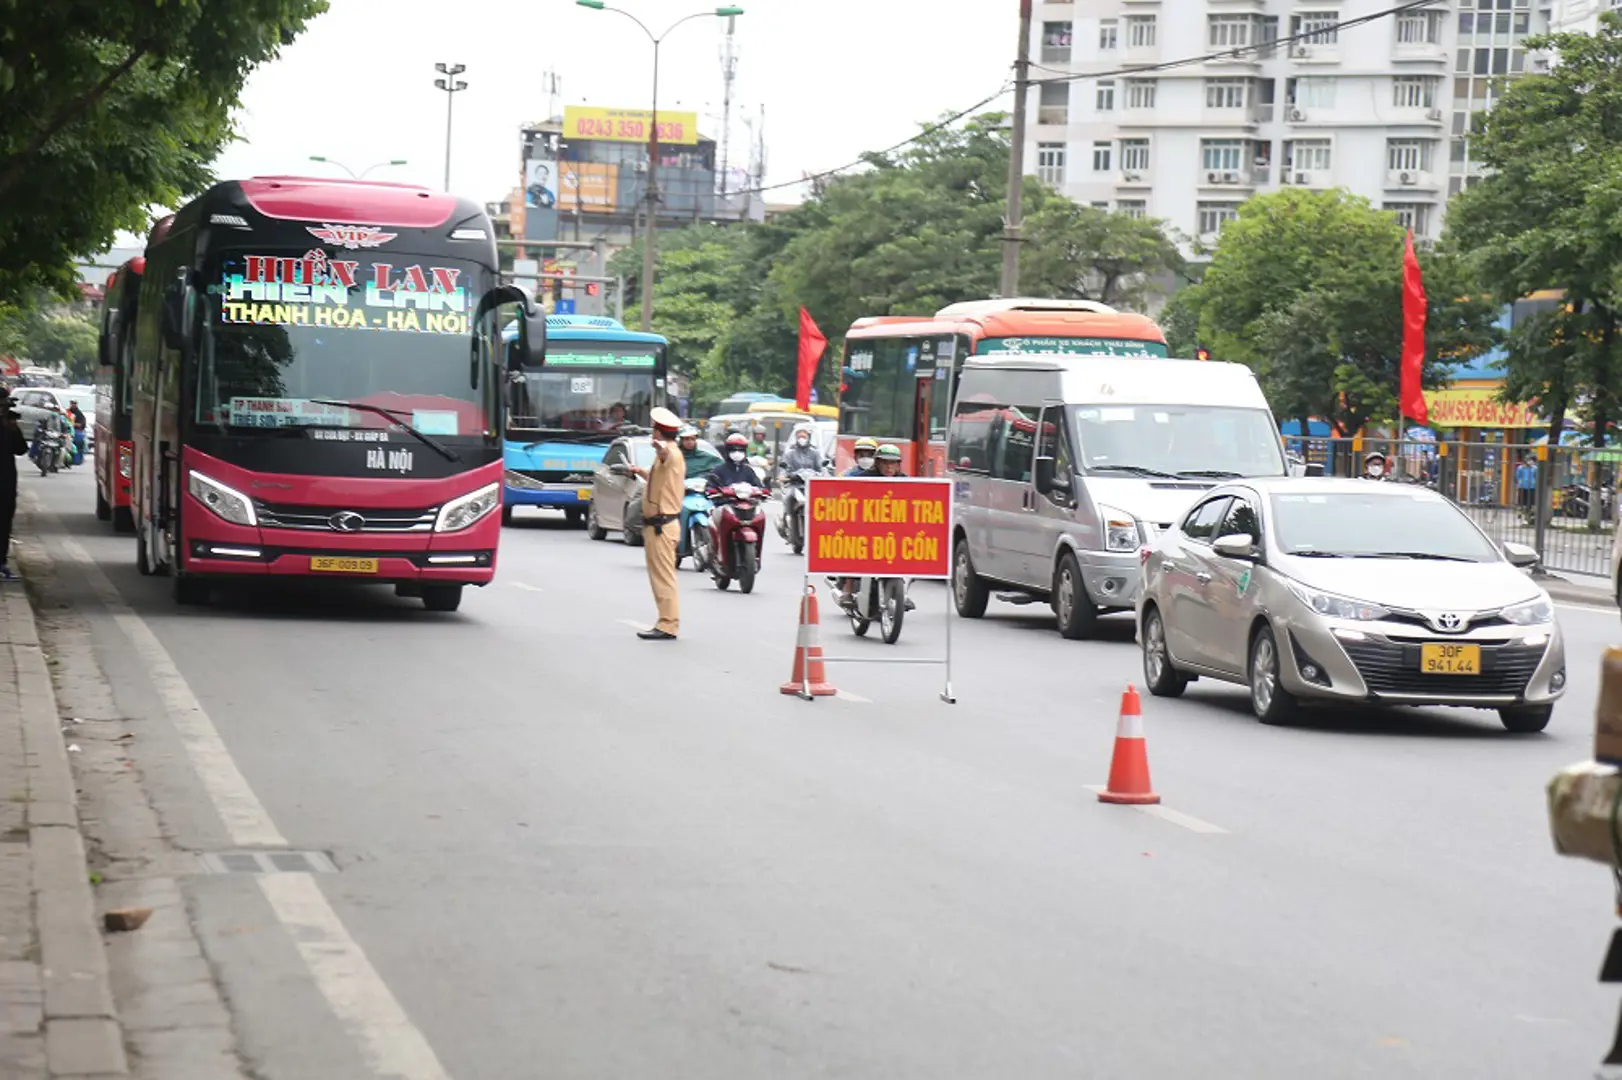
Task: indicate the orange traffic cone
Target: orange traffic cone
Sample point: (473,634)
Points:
(1129,768)
(809,679)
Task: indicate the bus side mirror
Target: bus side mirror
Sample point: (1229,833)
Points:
(176,305)
(532,335)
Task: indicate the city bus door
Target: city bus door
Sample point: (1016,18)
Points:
(920,464)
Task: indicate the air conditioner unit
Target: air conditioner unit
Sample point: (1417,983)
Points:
(1302,178)
(1433,114)
(1301,52)
(1230,178)
(1297,116)
(1132,177)
(1213,178)
(1408,178)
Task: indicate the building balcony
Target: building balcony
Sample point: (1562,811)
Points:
(1132,178)
(1307,178)
(1314,54)
(1142,54)
(1227,178)
(1262,114)
(1296,114)
(1411,180)
(1418,117)
(1420,51)
(1056,115)
(1245,61)
(1055,54)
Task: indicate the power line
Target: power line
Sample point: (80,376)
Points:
(1137,69)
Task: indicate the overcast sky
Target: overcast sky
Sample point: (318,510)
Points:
(836,78)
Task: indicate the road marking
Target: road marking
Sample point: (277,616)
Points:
(1176,817)
(357,994)
(526,586)
(846,695)
(1601,608)
(632,623)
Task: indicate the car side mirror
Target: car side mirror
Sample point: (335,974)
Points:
(620,470)
(1519,554)
(1235,546)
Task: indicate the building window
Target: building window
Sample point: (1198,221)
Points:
(1415,216)
(1106,95)
(1212,215)
(1135,155)
(1140,31)
(1054,106)
(1102,152)
(1222,155)
(1315,27)
(1106,35)
(1140,93)
(1132,208)
(1311,93)
(1422,27)
(1228,31)
(1413,92)
(1055,42)
(1225,93)
(1102,204)
(1406,155)
(1309,155)
(1050,163)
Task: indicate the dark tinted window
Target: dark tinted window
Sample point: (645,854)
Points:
(969,447)
(1202,522)
(1016,443)
(1241,518)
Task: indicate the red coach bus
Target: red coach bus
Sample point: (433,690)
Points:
(900,372)
(318,388)
(116,353)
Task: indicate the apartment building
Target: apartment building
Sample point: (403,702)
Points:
(1382,108)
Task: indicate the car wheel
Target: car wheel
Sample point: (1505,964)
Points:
(1074,609)
(1526,719)
(593,529)
(1159,675)
(1271,703)
(631,536)
(969,592)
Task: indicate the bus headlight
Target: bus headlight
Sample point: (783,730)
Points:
(464,510)
(124,462)
(228,503)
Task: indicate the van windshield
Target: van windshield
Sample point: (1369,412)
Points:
(1178,440)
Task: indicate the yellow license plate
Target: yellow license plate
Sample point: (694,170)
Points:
(339,564)
(584,494)
(1450,659)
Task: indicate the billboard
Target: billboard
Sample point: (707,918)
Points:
(586,185)
(628,125)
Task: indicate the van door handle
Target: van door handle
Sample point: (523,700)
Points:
(1203,578)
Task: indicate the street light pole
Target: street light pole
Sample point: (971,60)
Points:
(450,84)
(651,232)
(364,172)
(1016,159)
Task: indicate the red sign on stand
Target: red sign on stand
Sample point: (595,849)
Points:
(874,526)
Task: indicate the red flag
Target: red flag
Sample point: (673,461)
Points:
(811,345)
(1412,396)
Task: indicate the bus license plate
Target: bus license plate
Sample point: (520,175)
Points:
(339,564)
(1441,659)
(583,494)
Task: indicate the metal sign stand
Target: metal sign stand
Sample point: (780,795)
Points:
(946,661)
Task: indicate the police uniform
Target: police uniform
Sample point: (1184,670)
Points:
(661,516)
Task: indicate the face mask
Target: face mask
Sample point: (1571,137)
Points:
(803,442)
(1376,470)
(736,455)
(864,460)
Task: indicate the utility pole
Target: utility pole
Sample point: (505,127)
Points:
(729,71)
(450,84)
(1014,220)
(554,89)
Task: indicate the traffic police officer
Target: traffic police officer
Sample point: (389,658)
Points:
(661,510)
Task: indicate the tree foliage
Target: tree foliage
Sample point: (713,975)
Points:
(108,107)
(1306,287)
(51,336)
(1548,215)
(915,231)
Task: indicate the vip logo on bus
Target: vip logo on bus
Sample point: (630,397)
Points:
(352,236)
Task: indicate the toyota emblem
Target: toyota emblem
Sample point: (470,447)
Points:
(346,521)
(1449,620)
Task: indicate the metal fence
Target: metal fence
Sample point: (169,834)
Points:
(1558,500)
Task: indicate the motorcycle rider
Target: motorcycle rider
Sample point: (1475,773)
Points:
(888,457)
(735,468)
(53,422)
(888,463)
(801,455)
(866,448)
(758,447)
(1374,466)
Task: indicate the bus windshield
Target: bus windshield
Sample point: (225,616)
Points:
(282,335)
(587,386)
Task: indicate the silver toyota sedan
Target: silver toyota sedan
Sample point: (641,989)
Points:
(1348,590)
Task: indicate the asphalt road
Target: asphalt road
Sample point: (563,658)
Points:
(563,852)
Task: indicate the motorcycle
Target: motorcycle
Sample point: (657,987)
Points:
(876,600)
(791,523)
(1575,499)
(49,450)
(695,526)
(735,536)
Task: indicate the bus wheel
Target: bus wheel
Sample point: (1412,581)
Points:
(190,590)
(442,597)
(506,516)
(123,520)
(143,556)
(104,510)
(574,516)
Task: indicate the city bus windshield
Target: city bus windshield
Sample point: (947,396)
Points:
(284,333)
(587,386)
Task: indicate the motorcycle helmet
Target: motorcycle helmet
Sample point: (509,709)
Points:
(888,452)
(802,435)
(737,446)
(865,449)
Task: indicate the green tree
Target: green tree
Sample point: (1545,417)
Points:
(64,342)
(1548,215)
(1084,253)
(1306,287)
(110,107)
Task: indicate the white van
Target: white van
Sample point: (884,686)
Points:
(1065,466)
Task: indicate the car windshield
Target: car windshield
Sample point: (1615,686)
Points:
(1196,440)
(587,386)
(1379,523)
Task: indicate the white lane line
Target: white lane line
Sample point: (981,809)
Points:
(391,1044)
(846,695)
(1601,608)
(633,624)
(1176,817)
(373,1017)
(526,586)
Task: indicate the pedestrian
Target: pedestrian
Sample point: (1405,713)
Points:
(661,509)
(12,447)
(1526,482)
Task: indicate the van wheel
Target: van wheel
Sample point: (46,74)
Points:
(969,592)
(1074,609)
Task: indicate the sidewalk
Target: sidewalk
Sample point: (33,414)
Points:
(1577,588)
(57,1018)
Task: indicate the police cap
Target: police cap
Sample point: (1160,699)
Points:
(665,420)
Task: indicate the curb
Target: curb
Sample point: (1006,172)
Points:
(1570,592)
(82,1034)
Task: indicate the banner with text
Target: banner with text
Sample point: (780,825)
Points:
(879,527)
(628,125)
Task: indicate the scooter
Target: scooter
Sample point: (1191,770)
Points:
(695,526)
(880,600)
(791,523)
(48,451)
(735,536)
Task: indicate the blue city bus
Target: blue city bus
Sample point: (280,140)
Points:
(600,381)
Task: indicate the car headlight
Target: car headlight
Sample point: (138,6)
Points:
(1337,607)
(464,510)
(228,503)
(1120,529)
(1531,613)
